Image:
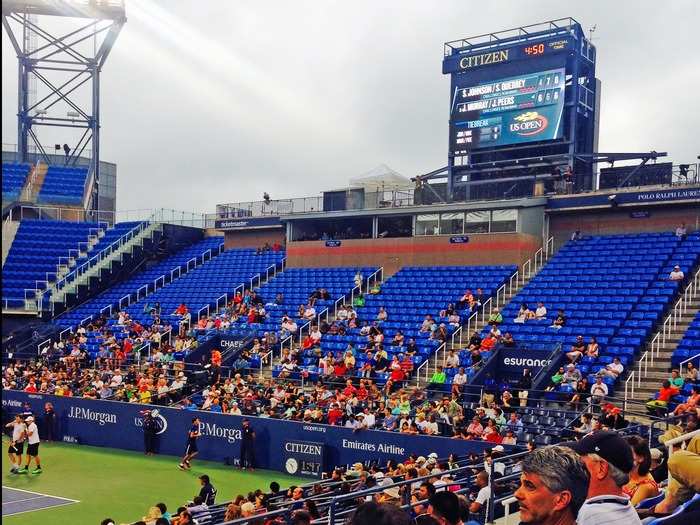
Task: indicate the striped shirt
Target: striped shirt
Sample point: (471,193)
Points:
(607,510)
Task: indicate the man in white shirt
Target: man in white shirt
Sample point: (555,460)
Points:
(677,274)
(458,380)
(16,448)
(309,312)
(612,370)
(479,506)
(541,312)
(452,360)
(681,231)
(609,460)
(598,390)
(32,433)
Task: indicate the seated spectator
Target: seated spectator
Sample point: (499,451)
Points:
(666,392)
(495,317)
(359,301)
(560,320)
(488,343)
(641,484)
(555,380)
(592,348)
(572,376)
(684,483)
(458,381)
(691,373)
(438,379)
(691,404)
(599,390)
(541,312)
(452,360)
(524,314)
(577,350)
(508,340)
(398,338)
(586,425)
(676,274)
(676,380)
(309,312)
(427,323)
(474,341)
(612,370)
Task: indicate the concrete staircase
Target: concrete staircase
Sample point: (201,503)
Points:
(9,230)
(660,369)
(34,182)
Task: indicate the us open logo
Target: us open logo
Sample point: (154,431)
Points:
(528,124)
(161,422)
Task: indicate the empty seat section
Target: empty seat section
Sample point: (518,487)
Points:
(14,176)
(63,185)
(39,246)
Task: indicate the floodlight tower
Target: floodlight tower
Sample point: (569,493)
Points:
(62,61)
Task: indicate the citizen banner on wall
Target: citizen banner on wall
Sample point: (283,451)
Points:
(303,458)
(119,425)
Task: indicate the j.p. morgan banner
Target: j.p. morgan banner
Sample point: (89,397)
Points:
(120,425)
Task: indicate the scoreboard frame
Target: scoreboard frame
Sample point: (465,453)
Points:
(555,44)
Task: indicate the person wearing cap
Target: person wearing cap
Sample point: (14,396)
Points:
(676,274)
(390,494)
(609,461)
(247,446)
(553,486)
(32,433)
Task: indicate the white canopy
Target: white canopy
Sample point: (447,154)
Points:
(382,178)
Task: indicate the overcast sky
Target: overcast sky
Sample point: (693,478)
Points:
(206,101)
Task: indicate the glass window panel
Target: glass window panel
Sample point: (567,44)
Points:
(427,224)
(477,222)
(504,221)
(452,223)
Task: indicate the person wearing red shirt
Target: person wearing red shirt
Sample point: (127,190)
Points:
(349,389)
(127,345)
(181,310)
(308,342)
(362,393)
(407,364)
(666,392)
(334,415)
(488,343)
(396,374)
(31,388)
(339,369)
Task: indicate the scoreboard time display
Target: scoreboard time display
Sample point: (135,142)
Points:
(509,110)
(460,62)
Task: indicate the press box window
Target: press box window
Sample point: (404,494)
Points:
(451,223)
(504,221)
(427,224)
(477,222)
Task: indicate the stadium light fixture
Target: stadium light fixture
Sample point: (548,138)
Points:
(73,114)
(40,112)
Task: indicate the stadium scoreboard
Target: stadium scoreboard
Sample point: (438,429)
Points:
(507,96)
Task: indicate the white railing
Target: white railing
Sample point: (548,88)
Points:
(263,358)
(669,325)
(377,275)
(290,339)
(507,503)
(199,313)
(456,333)
(629,389)
(42,345)
(423,370)
(340,300)
(441,349)
(61,334)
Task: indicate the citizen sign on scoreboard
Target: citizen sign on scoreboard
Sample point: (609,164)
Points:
(509,110)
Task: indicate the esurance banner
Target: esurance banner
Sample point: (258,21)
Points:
(511,110)
(512,361)
(312,446)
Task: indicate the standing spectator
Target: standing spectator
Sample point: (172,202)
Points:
(553,486)
(49,422)
(247,446)
(524,386)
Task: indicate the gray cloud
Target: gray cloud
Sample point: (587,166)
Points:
(209,102)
